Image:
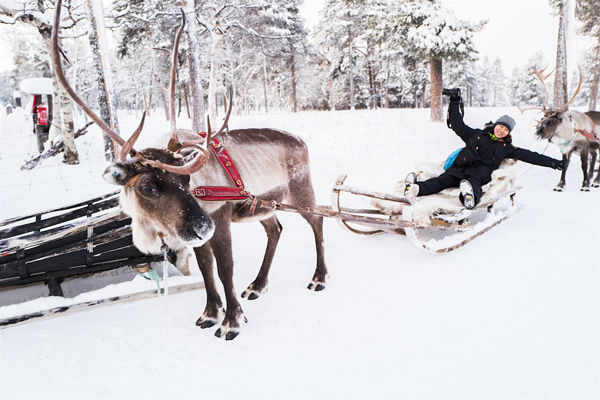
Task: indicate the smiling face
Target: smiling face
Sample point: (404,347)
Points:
(500,131)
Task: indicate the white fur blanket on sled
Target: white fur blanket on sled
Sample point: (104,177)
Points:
(447,201)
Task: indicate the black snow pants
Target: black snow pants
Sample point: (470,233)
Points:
(446,180)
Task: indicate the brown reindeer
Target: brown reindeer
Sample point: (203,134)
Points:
(155,192)
(573,132)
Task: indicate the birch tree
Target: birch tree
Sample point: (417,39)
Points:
(561,72)
(103,72)
(39,15)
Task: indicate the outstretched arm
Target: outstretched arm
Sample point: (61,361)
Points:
(534,158)
(456,121)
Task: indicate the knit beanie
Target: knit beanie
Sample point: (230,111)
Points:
(506,121)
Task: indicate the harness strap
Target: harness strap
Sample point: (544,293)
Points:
(590,135)
(222,193)
(219,193)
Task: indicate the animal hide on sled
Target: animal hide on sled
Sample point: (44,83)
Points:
(447,201)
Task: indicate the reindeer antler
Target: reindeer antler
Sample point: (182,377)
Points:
(55,54)
(127,146)
(576,91)
(540,75)
(212,136)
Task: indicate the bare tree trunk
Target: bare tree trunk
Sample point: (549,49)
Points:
(294,100)
(595,79)
(197,99)
(387,87)
(102,67)
(351,68)
(437,83)
(561,74)
(70,156)
(265,83)
(217,41)
(163,98)
(373,100)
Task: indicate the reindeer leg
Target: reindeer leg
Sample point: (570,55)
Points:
(273,229)
(302,195)
(583,154)
(222,250)
(561,184)
(214,305)
(596,182)
(320,276)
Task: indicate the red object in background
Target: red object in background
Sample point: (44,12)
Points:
(42,118)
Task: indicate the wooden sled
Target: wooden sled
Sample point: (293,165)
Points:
(443,232)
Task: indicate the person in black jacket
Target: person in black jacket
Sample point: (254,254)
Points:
(474,164)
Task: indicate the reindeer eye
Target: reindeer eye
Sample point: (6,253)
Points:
(147,189)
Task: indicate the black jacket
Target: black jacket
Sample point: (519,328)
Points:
(482,154)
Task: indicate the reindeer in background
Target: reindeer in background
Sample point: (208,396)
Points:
(573,132)
(156,192)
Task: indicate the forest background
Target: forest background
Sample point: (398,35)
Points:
(359,54)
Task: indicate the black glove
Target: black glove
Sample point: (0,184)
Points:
(557,164)
(453,94)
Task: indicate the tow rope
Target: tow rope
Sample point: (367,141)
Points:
(224,193)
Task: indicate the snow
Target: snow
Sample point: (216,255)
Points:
(37,86)
(513,314)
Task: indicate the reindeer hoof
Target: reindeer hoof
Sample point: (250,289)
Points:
(229,335)
(316,286)
(585,189)
(558,189)
(229,331)
(596,185)
(253,294)
(250,295)
(205,323)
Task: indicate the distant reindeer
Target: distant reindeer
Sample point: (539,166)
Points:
(572,131)
(156,193)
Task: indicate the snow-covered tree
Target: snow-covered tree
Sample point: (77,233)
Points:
(436,34)
(525,88)
(588,13)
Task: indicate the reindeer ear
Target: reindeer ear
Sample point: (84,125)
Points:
(118,174)
(188,154)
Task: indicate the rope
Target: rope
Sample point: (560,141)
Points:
(153,276)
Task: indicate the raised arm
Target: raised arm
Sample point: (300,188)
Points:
(456,121)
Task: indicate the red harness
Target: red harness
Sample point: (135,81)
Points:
(589,135)
(222,193)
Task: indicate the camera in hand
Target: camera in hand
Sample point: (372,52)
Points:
(453,93)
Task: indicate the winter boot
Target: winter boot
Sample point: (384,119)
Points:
(411,189)
(466,194)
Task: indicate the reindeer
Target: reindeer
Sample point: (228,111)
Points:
(572,131)
(156,194)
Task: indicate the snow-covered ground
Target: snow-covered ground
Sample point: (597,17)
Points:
(513,314)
